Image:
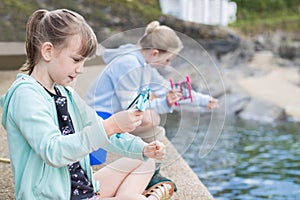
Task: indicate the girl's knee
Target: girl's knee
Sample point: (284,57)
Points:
(129,161)
(149,165)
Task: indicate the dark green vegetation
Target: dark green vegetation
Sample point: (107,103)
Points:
(265,16)
(113,15)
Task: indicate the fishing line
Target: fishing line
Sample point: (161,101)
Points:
(157,163)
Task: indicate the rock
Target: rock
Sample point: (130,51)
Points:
(217,39)
(262,111)
(284,44)
(261,43)
(243,54)
(290,50)
(234,102)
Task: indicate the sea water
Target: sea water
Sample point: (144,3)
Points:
(249,160)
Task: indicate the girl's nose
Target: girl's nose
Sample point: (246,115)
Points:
(79,69)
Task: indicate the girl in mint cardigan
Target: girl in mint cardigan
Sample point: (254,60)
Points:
(51,130)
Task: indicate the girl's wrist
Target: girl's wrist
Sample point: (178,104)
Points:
(110,127)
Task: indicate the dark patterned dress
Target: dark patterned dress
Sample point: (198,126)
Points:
(81,187)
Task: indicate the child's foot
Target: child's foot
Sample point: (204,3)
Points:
(161,191)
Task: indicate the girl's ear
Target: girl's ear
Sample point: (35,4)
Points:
(154,52)
(47,51)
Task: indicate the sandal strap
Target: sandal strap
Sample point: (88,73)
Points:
(161,192)
(166,195)
(156,195)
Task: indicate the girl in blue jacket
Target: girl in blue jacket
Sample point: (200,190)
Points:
(131,68)
(51,130)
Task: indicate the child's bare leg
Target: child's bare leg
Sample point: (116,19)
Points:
(125,177)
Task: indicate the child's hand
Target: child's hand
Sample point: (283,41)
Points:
(124,121)
(155,150)
(152,96)
(213,103)
(173,96)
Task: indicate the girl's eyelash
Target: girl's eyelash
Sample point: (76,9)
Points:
(77,59)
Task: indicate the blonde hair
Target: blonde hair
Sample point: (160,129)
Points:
(57,27)
(160,37)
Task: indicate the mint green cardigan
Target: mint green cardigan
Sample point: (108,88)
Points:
(39,153)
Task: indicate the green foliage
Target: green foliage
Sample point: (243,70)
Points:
(249,9)
(113,14)
(266,16)
(13,17)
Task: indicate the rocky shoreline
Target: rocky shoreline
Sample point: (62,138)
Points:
(259,86)
(268,86)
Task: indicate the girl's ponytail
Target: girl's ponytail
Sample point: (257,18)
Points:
(151,27)
(160,37)
(32,40)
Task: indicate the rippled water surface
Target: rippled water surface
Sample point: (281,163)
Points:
(249,161)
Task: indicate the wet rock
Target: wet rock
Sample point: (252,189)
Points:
(235,103)
(262,111)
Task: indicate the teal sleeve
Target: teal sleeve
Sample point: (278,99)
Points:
(127,145)
(35,116)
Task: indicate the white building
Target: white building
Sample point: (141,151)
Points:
(213,12)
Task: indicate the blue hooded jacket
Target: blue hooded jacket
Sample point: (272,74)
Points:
(125,75)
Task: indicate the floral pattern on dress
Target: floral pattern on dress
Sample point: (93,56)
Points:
(81,187)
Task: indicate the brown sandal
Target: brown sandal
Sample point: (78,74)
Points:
(160,191)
